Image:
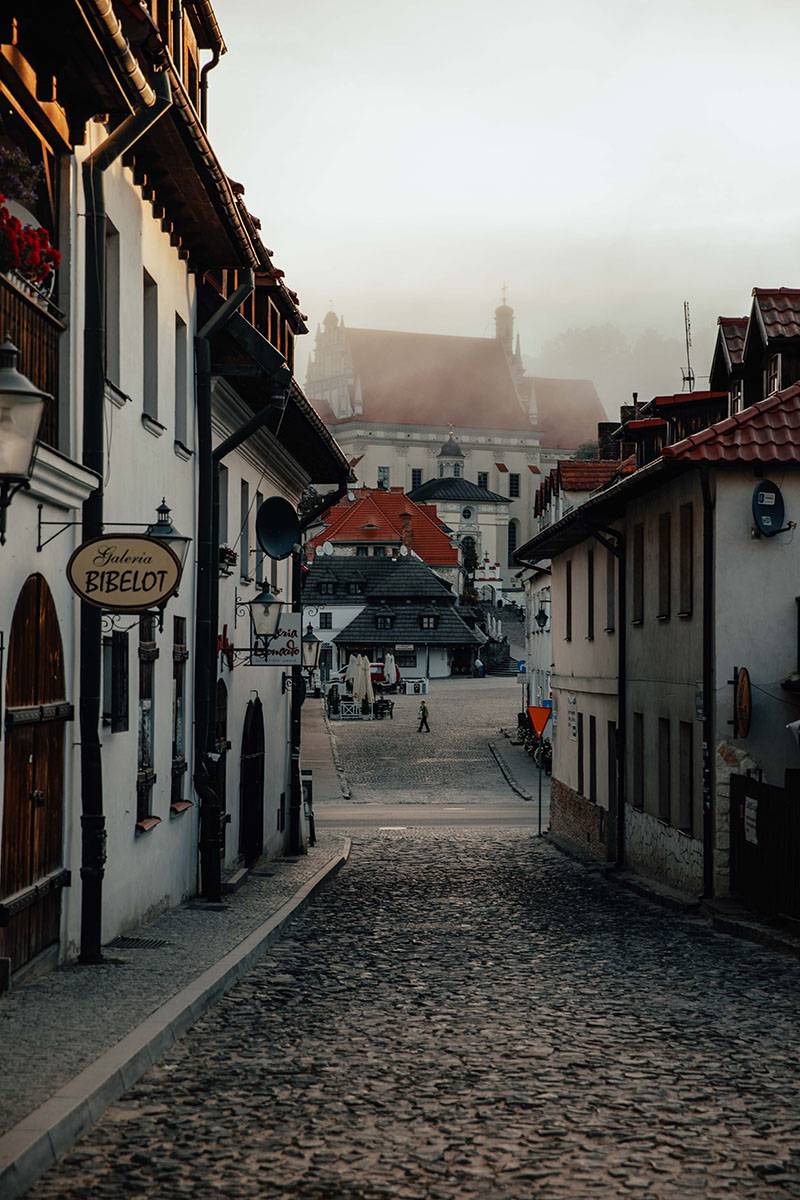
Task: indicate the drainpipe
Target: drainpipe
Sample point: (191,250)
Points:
(622,696)
(708,683)
(93,833)
(204,73)
(205,677)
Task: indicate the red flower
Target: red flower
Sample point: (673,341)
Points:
(26,249)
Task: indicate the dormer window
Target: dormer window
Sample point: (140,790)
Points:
(736,396)
(772,375)
(354,588)
(428,621)
(327,588)
(384,621)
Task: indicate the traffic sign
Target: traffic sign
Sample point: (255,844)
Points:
(539,716)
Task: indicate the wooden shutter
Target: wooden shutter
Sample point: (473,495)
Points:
(568,606)
(664,563)
(638,573)
(593,760)
(638,760)
(687,560)
(664,771)
(590,593)
(611,583)
(580,754)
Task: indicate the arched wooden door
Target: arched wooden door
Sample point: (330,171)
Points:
(251,784)
(31,871)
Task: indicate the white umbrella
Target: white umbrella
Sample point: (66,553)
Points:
(368,690)
(350,673)
(389,669)
(358,678)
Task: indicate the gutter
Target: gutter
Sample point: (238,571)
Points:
(135,83)
(93,831)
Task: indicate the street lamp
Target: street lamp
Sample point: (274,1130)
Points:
(265,614)
(311,648)
(541,617)
(21,412)
(165,531)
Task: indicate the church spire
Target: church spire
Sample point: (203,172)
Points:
(504,324)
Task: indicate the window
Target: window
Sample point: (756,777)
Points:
(428,621)
(112,304)
(772,375)
(379,552)
(456,470)
(611,746)
(513,485)
(115,681)
(736,396)
(416,478)
(593,760)
(326,620)
(568,601)
(259,551)
(180,654)
(483,479)
(513,532)
(148,653)
(383,477)
(362,551)
(406,658)
(611,592)
(223,505)
(244,531)
(441,470)
(384,621)
(664,564)
(327,588)
(150,346)
(638,574)
(354,587)
(181,398)
(638,761)
(664,770)
(687,561)
(580,754)
(686,776)
(590,593)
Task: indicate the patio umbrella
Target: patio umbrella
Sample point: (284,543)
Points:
(358,678)
(350,673)
(368,690)
(389,669)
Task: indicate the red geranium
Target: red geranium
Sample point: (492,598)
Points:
(25,249)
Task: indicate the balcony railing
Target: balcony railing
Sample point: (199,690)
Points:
(34,325)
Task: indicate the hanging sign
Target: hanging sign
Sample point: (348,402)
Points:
(283,650)
(123,572)
(768,509)
(744,705)
(539,716)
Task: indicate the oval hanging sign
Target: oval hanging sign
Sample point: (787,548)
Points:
(123,572)
(744,704)
(768,510)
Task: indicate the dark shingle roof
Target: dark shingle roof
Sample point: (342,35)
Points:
(450,629)
(455,489)
(376,578)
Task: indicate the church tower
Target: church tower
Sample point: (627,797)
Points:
(504,325)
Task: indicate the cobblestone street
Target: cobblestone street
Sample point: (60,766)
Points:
(464,1012)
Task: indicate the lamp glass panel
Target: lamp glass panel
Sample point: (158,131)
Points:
(19,426)
(265,615)
(311,648)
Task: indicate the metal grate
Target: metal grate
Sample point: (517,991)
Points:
(136,943)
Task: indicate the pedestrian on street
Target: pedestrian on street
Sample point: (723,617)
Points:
(423,718)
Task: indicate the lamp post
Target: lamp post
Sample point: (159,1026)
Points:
(265,615)
(166,532)
(21,412)
(311,648)
(541,618)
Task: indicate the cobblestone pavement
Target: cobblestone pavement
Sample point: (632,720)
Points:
(468,1014)
(452,764)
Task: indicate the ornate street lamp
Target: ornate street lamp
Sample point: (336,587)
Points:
(541,617)
(265,614)
(311,648)
(21,412)
(166,532)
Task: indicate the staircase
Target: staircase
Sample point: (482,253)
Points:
(507,667)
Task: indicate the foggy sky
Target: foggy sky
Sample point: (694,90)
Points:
(607,160)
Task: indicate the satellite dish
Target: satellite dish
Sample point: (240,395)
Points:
(327,549)
(768,508)
(404,551)
(277,527)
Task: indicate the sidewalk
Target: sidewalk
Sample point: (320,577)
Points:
(521,773)
(72,1041)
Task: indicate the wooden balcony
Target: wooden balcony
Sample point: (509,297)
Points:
(34,325)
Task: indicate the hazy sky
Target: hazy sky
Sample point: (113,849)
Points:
(607,159)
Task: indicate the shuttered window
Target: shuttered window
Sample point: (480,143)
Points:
(686,797)
(593,760)
(638,760)
(664,564)
(664,771)
(686,597)
(590,593)
(611,585)
(580,754)
(638,574)
(568,598)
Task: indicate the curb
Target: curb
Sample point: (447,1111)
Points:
(347,791)
(33,1145)
(751,931)
(509,778)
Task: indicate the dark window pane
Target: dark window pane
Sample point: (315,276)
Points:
(638,573)
(590,593)
(638,760)
(686,797)
(687,560)
(580,753)
(664,770)
(664,563)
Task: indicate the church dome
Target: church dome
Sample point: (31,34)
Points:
(451,448)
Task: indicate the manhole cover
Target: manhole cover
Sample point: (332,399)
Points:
(136,943)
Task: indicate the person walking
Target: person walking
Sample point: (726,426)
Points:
(423,718)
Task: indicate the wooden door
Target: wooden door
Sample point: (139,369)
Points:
(31,871)
(251,784)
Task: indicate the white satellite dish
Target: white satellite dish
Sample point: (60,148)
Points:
(351,496)
(327,548)
(404,551)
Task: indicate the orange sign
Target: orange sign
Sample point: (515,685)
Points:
(743,703)
(539,716)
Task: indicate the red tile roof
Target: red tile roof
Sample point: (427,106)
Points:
(377,516)
(568,411)
(733,330)
(686,398)
(766,432)
(586,474)
(778,310)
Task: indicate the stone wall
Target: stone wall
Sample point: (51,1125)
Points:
(731,760)
(659,851)
(577,821)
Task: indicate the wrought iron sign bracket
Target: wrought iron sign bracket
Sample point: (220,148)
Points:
(113,620)
(63,526)
(8,490)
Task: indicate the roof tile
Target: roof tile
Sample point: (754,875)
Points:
(766,432)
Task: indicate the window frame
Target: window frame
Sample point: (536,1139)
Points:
(637,575)
(665,770)
(686,563)
(611,592)
(638,738)
(590,593)
(664,566)
(568,600)
(514,485)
